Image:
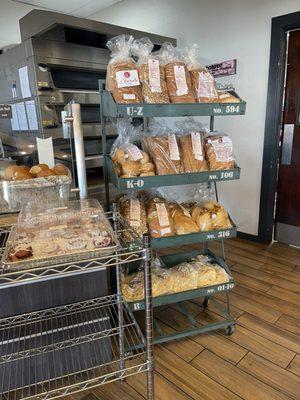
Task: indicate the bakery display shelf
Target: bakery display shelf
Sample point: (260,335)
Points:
(67,349)
(173,259)
(124,254)
(111,109)
(146,182)
(192,238)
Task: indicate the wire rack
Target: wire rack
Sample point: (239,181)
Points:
(67,349)
(124,254)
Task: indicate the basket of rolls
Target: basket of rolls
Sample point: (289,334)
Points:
(37,184)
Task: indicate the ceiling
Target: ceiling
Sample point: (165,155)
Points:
(79,8)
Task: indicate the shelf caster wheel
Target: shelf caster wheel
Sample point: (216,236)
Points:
(230,329)
(205,302)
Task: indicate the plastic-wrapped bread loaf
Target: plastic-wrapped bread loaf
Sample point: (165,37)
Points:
(193,152)
(179,83)
(219,152)
(158,217)
(151,72)
(165,153)
(134,212)
(226,97)
(183,222)
(178,79)
(219,216)
(122,77)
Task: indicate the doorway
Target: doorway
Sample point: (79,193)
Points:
(287,215)
(279,215)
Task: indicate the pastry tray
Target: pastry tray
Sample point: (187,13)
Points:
(198,237)
(111,109)
(174,259)
(145,182)
(66,256)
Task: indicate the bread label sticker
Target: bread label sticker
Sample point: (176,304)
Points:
(154,75)
(162,213)
(135,212)
(173,147)
(197,145)
(135,152)
(180,80)
(165,231)
(206,86)
(127,78)
(129,96)
(222,148)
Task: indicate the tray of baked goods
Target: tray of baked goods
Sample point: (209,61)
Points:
(20,185)
(172,224)
(163,156)
(179,277)
(51,234)
(228,103)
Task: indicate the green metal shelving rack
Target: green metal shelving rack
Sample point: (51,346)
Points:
(109,109)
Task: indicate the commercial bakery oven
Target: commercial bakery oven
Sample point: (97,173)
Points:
(61,59)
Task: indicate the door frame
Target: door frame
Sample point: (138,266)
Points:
(271,153)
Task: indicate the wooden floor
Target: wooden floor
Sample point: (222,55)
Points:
(260,361)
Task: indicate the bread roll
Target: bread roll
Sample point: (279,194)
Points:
(148,167)
(179,83)
(61,169)
(45,172)
(36,169)
(202,218)
(131,168)
(21,175)
(193,152)
(183,223)
(9,172)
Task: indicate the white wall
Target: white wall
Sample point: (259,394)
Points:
(224,30)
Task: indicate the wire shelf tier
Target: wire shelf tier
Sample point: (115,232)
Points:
(124,254)
(147,182)
(111,109)
(63,350)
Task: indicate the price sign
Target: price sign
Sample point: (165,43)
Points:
(5,111)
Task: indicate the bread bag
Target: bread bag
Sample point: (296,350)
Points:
(158,217)
(122,77)
(178,79)
(151,72)
(133,211)
(219,151)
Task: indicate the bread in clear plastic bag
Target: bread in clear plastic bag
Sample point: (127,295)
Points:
(129,160)
(182,220)
(202,81)
(226,97)
(151,72)
(192,146)
(210,215)
(122,77)
(188,275)
(133,211)
(178,79)
(158,217)
(162,145)
(219,151)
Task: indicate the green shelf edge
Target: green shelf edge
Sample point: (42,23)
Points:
(142,110)
(173,259)
(148,182)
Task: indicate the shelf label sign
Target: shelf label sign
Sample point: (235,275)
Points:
(232,109)
(5,111)
(136,306)
(218,235)
(226,286)
(224,68)
(135,111)
(131,184)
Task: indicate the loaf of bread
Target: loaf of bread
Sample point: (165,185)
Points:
(219,152)
(124,83)
(165,153)
(183,222)
(202,218)
(210,216)
(133,211)
(158,217)
(204,86)
(225,97)
(154,87)
(179,83)
(193,152)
